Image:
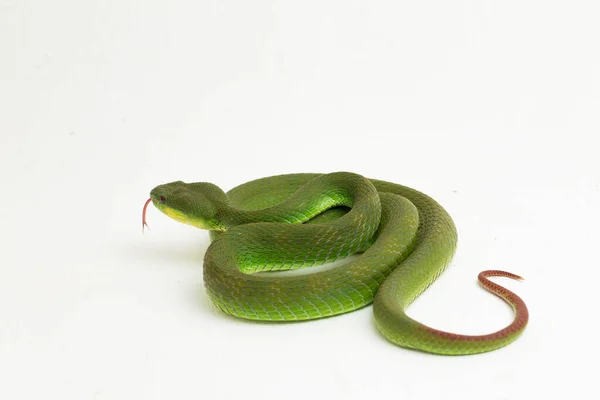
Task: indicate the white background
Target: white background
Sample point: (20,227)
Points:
(490,107)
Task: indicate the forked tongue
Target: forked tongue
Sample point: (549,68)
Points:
(144,224)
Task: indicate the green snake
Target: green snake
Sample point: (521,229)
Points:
(403,240)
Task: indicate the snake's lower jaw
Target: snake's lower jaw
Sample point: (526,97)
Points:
(172,213)
(196,222)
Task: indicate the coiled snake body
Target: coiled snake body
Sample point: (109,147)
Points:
(405,240)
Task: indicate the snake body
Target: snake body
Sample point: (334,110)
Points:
(404,240)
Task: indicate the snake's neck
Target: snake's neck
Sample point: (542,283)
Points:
(228,216)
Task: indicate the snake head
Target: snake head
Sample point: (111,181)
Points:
(197,204)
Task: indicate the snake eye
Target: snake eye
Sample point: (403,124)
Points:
(163,200)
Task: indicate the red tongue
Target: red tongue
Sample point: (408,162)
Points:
(144,224)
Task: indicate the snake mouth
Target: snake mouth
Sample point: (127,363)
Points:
(144,224)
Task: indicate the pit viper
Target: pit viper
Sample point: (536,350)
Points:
(401,238)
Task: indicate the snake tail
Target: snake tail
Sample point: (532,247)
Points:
(399,328)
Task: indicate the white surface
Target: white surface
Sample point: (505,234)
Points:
(490,107)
